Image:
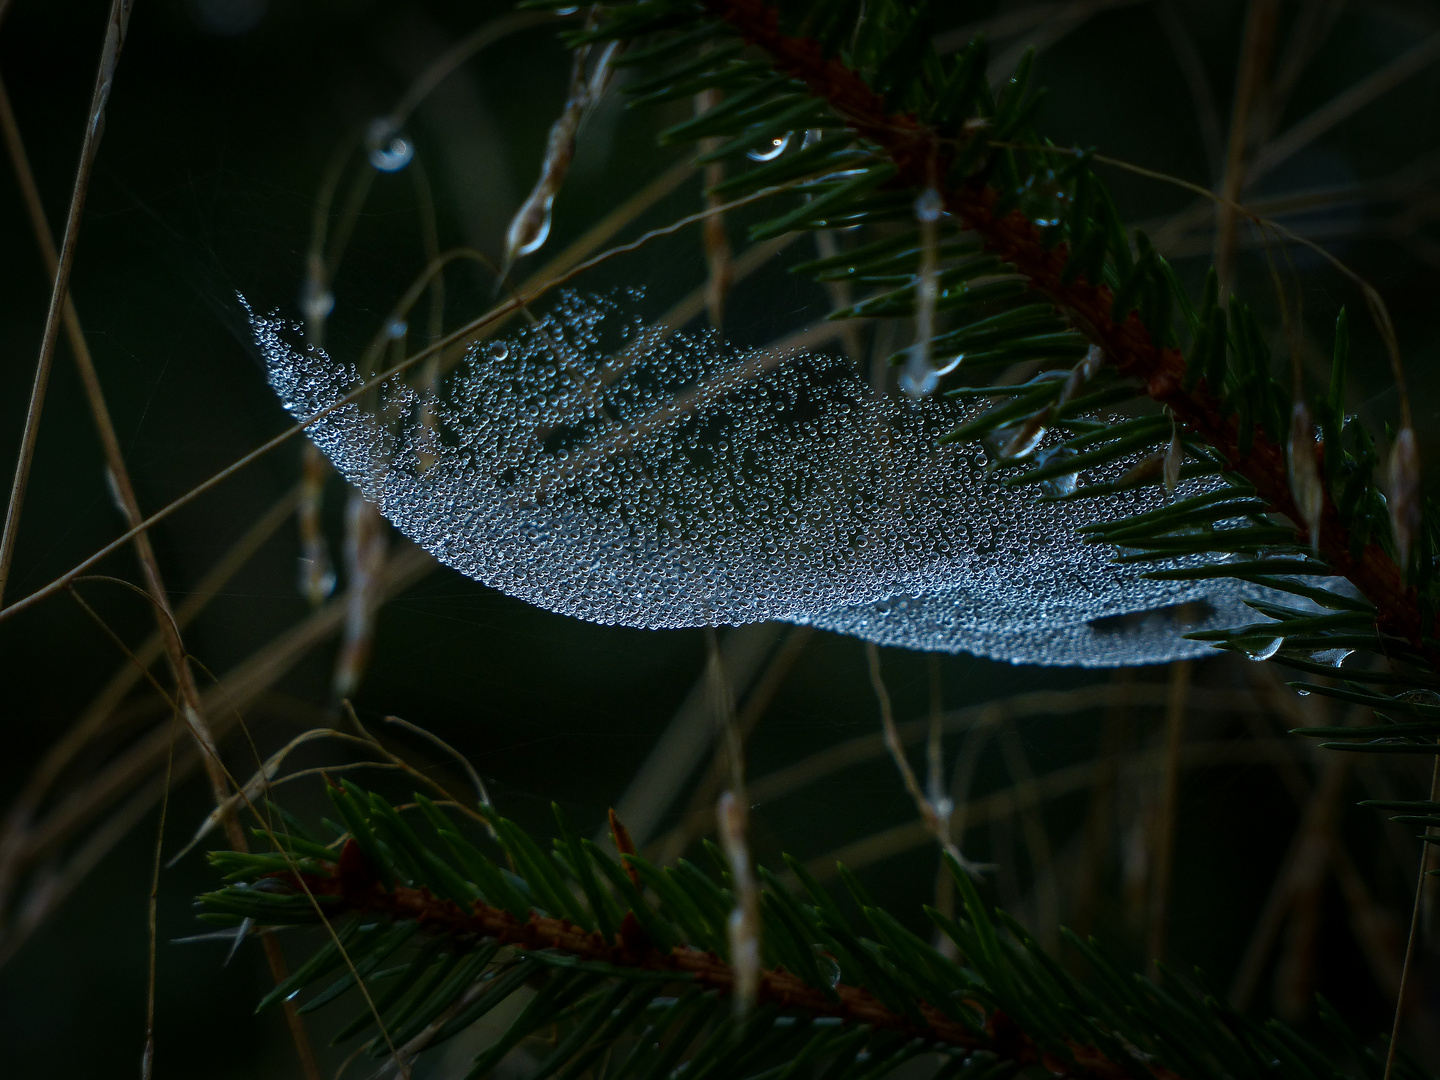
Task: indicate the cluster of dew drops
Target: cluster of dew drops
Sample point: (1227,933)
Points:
(677,481)
(600,468)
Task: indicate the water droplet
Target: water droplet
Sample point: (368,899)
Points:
(829,966)
(1174,460)
(389,149)
(396,328)
(1024,438)
(1302,692)
(1305,483)
(316,304)
(919,380)
(920,377)
(1260,647)
(317,579)
(1065,483)
(538,229)
(498,350)
(1403,496)
(929,206)
(1333,657)
(771,150)
(812,136)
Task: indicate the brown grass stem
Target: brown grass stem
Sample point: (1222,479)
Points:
(189,703)
(697,817)
(934,814)
(25,842)
(1175,706)
(1413,939)
(452,58)
(115,28)
(219,779)
(240,464)
(1011,801)
(98,713)
(1344,105)
(147,1061)
(1255,53)
(1038,849)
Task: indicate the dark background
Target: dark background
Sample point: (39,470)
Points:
(224,116)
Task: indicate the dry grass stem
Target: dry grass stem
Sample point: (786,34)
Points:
(1008,802)
(147,1060)
(530,226)
(1202,95)
(695,820)
(1255,54)
(1343,106)
(1314,850)
(1037,839)
(451,60)
(365,550)
(1164,845)
(691,731)
(482,794)
(1426,850)
(1315,841)
(717,244)
(1096,857)
(934,814)
(116,25)
(463,333)
(990,714)
(63,752)
(240,687)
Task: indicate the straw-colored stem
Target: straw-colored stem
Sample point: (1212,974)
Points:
(1169,802)
(118,22)
(1426,849)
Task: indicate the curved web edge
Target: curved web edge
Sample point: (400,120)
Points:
(601,468)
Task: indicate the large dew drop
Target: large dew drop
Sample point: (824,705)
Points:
(598,468)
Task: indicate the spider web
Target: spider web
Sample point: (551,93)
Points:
(596,467)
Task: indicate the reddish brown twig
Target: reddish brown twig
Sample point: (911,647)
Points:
(914,148)
(352,886)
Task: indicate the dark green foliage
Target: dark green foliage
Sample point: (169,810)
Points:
(989,319)
(619,1012)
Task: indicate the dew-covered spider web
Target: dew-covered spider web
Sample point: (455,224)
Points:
(602,468)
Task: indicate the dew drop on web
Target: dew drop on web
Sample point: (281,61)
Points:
(388,149)
(595,466)
(771,150)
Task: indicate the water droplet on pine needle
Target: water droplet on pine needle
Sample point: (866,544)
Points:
(772,149)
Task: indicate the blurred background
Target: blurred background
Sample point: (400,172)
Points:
(1163,808)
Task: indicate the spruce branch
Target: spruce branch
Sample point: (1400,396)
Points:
(919,153)
(436,932)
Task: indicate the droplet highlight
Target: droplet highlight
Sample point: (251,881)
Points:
(770,150)
(388,149)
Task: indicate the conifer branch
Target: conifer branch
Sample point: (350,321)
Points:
(920,154)
(440,931)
